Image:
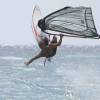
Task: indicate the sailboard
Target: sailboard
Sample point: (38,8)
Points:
(36,16)
(71,22)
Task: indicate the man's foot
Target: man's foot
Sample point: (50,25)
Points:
(26,63)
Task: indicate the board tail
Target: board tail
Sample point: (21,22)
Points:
(36,16)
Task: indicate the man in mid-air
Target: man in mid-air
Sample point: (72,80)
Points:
(47,50)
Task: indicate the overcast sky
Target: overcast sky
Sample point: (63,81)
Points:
(16,19)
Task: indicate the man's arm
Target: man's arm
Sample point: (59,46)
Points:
(60,41)
(54,45)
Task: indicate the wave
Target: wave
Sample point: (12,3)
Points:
(11,58)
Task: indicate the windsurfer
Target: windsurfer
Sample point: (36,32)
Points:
(47,50)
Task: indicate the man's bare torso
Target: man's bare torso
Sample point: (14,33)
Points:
(45,51)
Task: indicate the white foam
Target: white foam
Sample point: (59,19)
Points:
(11,58)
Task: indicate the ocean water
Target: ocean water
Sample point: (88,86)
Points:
(73,74)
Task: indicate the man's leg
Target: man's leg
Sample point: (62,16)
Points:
(34,58)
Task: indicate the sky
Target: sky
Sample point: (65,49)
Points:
(16,20)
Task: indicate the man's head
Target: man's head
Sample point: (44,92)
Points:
(54,40)
(46,40)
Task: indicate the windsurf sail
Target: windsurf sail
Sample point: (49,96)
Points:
(70,21)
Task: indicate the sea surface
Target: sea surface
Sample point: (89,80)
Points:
(73,74)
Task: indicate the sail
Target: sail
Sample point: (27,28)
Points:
(71,21)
